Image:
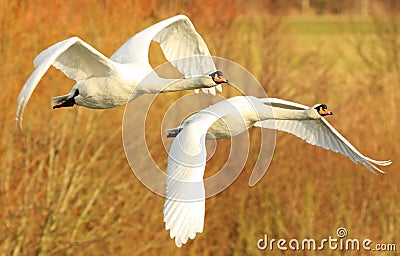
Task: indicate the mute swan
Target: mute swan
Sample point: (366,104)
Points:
(103,82)
(185,201)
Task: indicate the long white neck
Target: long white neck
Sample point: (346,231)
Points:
(155,84)
(188,83)
(288,114)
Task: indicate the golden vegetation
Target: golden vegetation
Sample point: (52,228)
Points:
(67,189)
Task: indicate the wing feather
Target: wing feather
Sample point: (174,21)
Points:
(185,188)
(178,40)
(319,133)
(75,58)
(181,40)
(182,46)
(184,205)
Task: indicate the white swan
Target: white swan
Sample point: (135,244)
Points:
(103,82)
(185,201)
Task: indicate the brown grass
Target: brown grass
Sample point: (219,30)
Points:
(66,187)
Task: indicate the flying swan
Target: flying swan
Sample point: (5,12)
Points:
(103,82)
(185,196)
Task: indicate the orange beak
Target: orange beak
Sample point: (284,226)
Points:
(325,112)
(220,79)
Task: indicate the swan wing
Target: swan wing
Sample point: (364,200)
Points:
(75,58)
(318,132)
(182,46)
(178,39)
(184,206)
(185,48)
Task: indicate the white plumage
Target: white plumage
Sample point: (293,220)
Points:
(317,132)
(184,205)
(185,197)
(103,82)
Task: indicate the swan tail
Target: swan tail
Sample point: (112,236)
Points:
(60,99)
(66,97)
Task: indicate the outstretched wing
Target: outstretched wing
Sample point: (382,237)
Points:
(178,39)
(318,132)
(182,46)
(75,58)
(185,201)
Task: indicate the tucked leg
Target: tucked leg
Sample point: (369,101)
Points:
(67,103)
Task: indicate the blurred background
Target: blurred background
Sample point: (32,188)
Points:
(67,189)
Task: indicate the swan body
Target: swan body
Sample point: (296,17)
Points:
(103,82)
(185,201)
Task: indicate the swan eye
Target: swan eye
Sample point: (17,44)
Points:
(216,74)
(320,107)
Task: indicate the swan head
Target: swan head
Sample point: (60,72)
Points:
(322,110)
(218,77)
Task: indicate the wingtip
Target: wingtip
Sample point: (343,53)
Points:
(372,163)
(212,91)
(381,163)
(179,237)
(374,168)
(178,243)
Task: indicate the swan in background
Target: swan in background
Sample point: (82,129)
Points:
(103,82)
(185,196)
